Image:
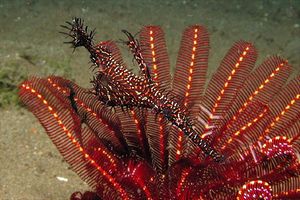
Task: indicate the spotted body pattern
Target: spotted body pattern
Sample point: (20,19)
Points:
(163,135)
(123,88)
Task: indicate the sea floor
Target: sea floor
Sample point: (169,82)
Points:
(30,166)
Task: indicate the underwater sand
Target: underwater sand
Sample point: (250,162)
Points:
(29,163)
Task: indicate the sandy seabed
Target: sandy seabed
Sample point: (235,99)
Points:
(30,165)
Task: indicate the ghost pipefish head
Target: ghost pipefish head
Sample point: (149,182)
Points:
(79,34)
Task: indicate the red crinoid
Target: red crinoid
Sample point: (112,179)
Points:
(156,137)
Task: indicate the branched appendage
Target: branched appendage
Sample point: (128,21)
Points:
(72,98)
(115,85)
(79,34)
(135,48)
